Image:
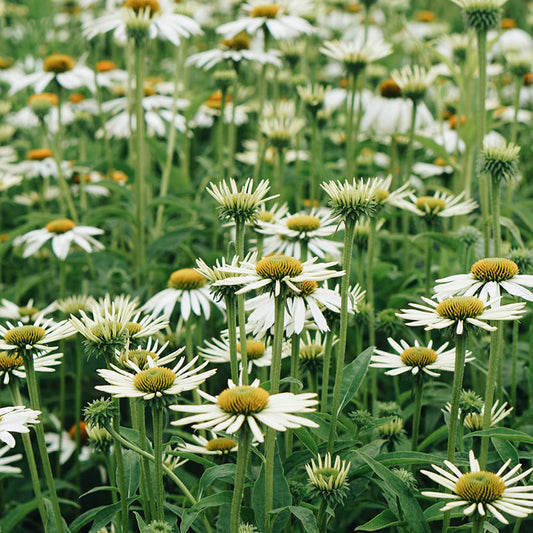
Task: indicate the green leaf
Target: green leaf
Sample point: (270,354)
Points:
(505,450)
(12,519)
(384,519)
(98,513)
(503,433)
(304,515)
(307,440)
(352,377)
(513,230)
(132,471)
(214,500)
(410,507)
(225,472)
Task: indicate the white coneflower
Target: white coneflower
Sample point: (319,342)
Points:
(413,81)
(214,446)
(487,277)
(459,312)
(416,358)
(481,492)
(280,131)
(312,96)
(474,421)
(6,461)
(16,420)
(439,205)
(139,355)
(24,313)
(329,478)
(499,160)
(62,233)
(36,336)
(482,15)
(12,364)
(248,404)
(153,382)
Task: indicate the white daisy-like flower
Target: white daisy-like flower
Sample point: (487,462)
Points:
(156,18)
(459,312)
(278,18)
(486,279)
(270,274)
(214,446)
(154,381)
(440,204)
(415,359)
(63,233)
(252,153)
(5,462)
(248,404)
(40,162)
(189,288)
(481,492)
(16,420)
(414,81)
(474,421)
(36,336)
(23,313)
(139,356)
(12,364)
(286,235)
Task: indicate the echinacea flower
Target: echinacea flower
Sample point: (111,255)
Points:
(23,313)
(248,404)
(214,446)
(415,359)
(486,279)
(328,477)
(35,337)
(413,81)
(481,15)
(459,312)
(62,233)
(474,421)
(139,355)
(153,382)
(12,364)
(439,205)
(5,462)
(481,492)
(16,420)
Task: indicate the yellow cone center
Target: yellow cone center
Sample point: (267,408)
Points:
(480,487)
(58,63)
(278,267)
(460,307)
(23,335)
(254,349)
(157,379)
(268,10)
(38,154)
(186,279)
(494,269)
(243,400)
(138,5)
(430,204)
(303,223)
(10,361)
(418,356)
(61,225)
(220,444)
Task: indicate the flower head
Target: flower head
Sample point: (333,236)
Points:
(413,81)
(482,15)
(248,404)
(499,161)
(214,446)
(474,421)
(329,478)
(16,420)
(481,492)
(438,205)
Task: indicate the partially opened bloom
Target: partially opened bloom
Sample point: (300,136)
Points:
(459,312)
(62,233)
(154,381)
(35,337)
(416,358)
(486,279)
(248,404)
(139,355)
(474,421)
(328,478)
(482,15)
(481,492)
(16,420)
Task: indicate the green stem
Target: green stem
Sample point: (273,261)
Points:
(411,144)
(477,523)
(157,417)
(278,171)
(514,352)
(325,371)
(350,141)
(516,104)
(245,439)
(33,391)
(295,363)
(496,338)
(322,519)
(231,311)
(220,142)
(232,133)
(77,409)
(460,351)
(429,254)
(315,159)
(496,228)
(239,237)
(30,456)
(62,373)
(419,389)
(120,475)
(370,299)
(349,231)
(275,373)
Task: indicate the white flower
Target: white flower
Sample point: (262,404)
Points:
(487,277)
(154,381)
(274,17)
(157,18)
(413,81)
(440,204)
(474,421)
(24,313)
(272,273)
(459,311)
(34,336)
(139,356)
(16,420)
(63,233)
(415,359)
(249,404)
(483,492)
(214,446)
(12,364)
(187,287)
(356,54)
(328,476)
(5,461)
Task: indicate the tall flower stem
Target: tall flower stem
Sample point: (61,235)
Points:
(316,159)
(245,439)
(221,141)
(157,418)
(30,457)
(33,391)
(77,408)
(139,48)
(232,128)
(279,163)
(120,475)
(419,390)
(370,300)
(514,354)
(322,519)
(460,354)
(496,338)
(62,370)
(495,212)
(239,238)
(350,141)
(349,231)
(295,363)
(477,523)
(275,374)
(231,311)
(516,105)
(328,348)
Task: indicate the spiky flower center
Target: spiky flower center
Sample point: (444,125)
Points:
(186,279)
(138,5)
(157,379)
(38,154)
(220,444)
(9,361)
(265,216)
(460,307)
(494,269)
(310,352)
(241,41)
(28,311)
(418,356)
(390,89)
(430,204)
(303,223)
(243,400)
(279,267)
(307,287)
(58,63)
(425,16)
(24,335)
(61,225)
(381,196)
(107,330)
(105,65)
(139,357)
(254,349)
(43,100)
(326,473)
(267,10)
(480,487)
(133,328)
